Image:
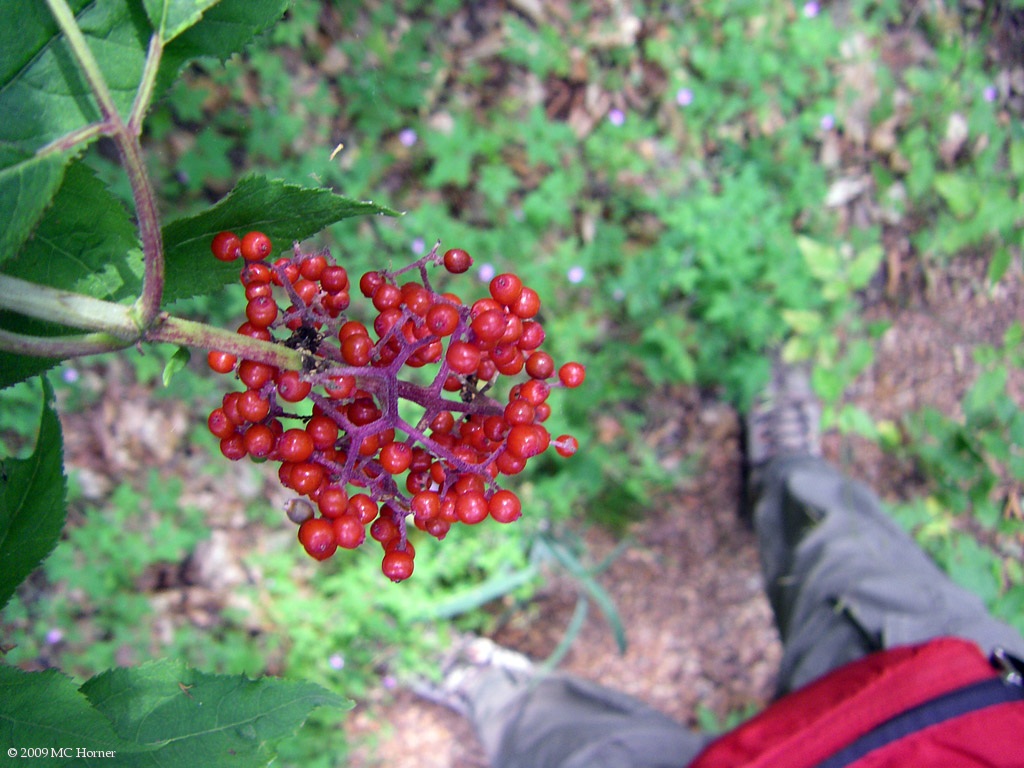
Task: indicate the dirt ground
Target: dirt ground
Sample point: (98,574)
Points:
(699,629)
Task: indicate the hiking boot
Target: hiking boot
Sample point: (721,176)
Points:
(785,419)
(471,663)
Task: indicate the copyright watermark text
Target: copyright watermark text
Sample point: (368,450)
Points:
(59,752)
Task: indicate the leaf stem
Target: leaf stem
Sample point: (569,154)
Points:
(90,68)
(144,95)
(61,346)
(67,308)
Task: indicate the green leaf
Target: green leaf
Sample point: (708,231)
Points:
(864,266)
(27,185)
(822,260)
(960,193)
(183,717)
(172,17)
(32,508)
(44,97)
(85,242)
(594,590)
(803,321)
(177,363)
(1000,262)
(285,212)
(44,710)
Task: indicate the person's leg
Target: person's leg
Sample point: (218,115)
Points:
(565,722)
(527,719)
(845,580)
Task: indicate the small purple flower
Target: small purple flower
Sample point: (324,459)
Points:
(54,636)
(70,375)
(576,274)
(337,661)
(486,272)
(616,117)
(407,137)
(811,9)
(990,94)
(827,123)
(418,245)
(390,682)
(684,97)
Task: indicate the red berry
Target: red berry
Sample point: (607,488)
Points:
(252,407)
(259,440)
(457,261)
(256,272)
(323,432)
(489,326)
(306,477)
(442,319)
(317,538)
(566,445)
(221,362)
(387,296)
(370,282)
(254,375)
(250,330)
(540,365)
(462,357)
(524,441)
(572,374)
(384,528)
(356,350)
(261,311)
(334,279)
(340,387)
(255,246)
(292,388)
(506,288)
(471,507)
(220,425)
(313,267)
(518,412)
(532,335)
(226,246)
(295,445)
(425,505)
(527,305)
(397,565)
(395,458)
(332,501)
(233,447)
(363,507)
(352,328)
(349,531)
(504,506)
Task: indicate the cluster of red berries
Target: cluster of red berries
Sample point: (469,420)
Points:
(356,462)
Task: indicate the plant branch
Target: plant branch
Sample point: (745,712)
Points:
(147,307)
(67,308)
(61,346)
(176,330)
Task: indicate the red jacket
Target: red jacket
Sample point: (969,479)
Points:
(941,703)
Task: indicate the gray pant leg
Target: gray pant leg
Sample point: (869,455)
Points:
(845,580)
(565,722)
